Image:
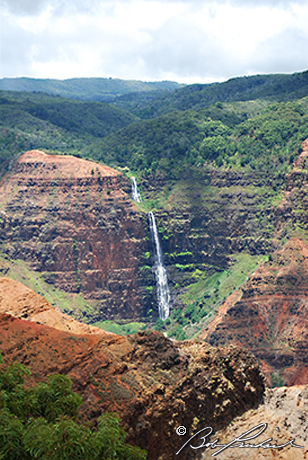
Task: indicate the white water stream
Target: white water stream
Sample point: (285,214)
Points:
(160,273)
(135,192)
(158,268)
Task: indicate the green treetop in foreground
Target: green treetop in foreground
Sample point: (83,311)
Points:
(39,423)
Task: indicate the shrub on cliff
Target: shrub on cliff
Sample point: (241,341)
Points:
(39,423)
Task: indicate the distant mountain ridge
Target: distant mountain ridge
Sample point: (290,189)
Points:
(274,87)
(88,89)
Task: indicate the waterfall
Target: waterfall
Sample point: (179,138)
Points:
(160,272)
(135,192)
(159,269)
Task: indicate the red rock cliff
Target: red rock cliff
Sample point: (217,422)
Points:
(72,220)
(269,316)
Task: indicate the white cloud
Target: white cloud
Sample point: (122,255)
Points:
(183,40)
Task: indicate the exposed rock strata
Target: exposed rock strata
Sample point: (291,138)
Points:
(270,316)
(72,220)
(292,213)
(206,221)
(216,216)
(154,384)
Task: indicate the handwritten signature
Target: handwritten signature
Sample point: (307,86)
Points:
(240,441)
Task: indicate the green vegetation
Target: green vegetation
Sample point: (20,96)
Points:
(186,144)
(120,329)
(245,131)
(202,299)
(276,380)
(89,89)
(256,135)
(223,283)
(267,88)
(40,422)
(56,125)
(41,283)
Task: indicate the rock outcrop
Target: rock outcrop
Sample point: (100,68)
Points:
(285,412)
(269,316)
(71,220)
(155,384)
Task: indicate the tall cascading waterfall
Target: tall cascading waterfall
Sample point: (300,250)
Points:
(135,192)
(159,269)
(160,273)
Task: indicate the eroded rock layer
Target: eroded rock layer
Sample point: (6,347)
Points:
(21,302)
(285,412)
(269,316)
(72,220)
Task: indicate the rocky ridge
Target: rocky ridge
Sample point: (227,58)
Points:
(268,316)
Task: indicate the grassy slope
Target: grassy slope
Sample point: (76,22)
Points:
(202,298)
(74,304)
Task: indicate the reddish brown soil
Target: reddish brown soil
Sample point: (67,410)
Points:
(154,384)
(21,302)
(67,166)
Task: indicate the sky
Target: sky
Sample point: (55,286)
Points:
(188,41)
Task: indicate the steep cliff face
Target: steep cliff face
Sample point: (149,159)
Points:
(292,211)
(215,216)
(269,316)
(155,384)
(204,222)
(72,221)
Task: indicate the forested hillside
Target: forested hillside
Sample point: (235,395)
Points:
(31,120)
(87,89)
(230,135)
(259,87)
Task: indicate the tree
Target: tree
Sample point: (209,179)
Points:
(40,423)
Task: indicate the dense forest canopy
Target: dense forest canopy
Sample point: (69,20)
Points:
(250,122)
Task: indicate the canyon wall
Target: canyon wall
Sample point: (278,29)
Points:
(73,221)
(269,316)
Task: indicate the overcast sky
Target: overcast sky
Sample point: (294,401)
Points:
(189,41)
